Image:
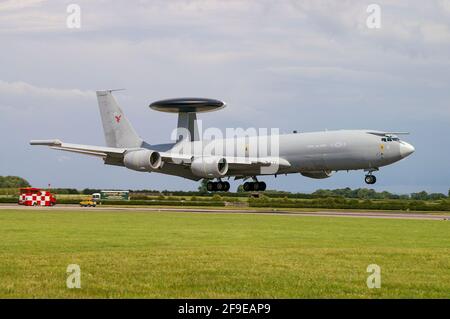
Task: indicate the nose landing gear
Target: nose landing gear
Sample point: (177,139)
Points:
(370,179)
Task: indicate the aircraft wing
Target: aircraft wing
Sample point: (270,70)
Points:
(101,151)
(111,155)
(235,163)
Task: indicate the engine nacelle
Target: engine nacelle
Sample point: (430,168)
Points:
(209,167)
(317,174)
(142,160)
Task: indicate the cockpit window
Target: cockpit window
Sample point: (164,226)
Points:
(390,139)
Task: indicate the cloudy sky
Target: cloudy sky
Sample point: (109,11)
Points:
(293,65)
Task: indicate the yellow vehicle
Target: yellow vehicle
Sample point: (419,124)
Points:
(88,203)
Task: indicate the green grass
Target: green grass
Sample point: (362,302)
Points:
(188,255)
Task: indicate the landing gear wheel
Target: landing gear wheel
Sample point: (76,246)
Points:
(211,186)
(218,186)
(262,186)
(370,179)
(254,186)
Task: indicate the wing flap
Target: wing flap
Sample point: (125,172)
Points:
(257,162)
(99,154)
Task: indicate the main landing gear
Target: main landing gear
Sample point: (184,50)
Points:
(370,179)
(254,186)
(218,186)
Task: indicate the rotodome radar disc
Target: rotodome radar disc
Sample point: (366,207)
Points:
(189,104)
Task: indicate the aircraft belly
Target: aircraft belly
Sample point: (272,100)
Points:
(312,162)
(333,160)
(346,161)
(330,162)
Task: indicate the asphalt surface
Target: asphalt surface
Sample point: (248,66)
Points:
(387,215)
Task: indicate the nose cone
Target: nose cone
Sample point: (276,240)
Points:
(406,149)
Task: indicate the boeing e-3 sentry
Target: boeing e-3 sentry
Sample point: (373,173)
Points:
(314,155)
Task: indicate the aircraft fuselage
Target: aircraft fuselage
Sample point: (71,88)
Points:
(306,152)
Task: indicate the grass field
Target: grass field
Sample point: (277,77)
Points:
(188,255)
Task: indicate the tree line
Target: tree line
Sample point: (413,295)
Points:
(13,182)
(366,193)
(358,193)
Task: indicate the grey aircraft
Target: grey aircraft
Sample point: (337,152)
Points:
(314,155)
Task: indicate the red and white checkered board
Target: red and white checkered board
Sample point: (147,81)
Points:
(34,199)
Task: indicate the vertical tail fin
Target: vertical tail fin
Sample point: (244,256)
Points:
(118,130)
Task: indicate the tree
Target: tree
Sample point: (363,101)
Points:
(89,191)
(13,182)
(365,193)
(202,188)
(420,196)
(435,196)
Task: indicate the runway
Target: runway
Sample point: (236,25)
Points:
(365,214)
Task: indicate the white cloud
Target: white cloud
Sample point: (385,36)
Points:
(63,158)
(23,88)
(10,5)
(435,33)
(444,5)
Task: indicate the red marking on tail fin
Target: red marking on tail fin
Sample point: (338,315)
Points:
(118,117)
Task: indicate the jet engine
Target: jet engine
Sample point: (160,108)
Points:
(317,174)
(209,167)
(142,160)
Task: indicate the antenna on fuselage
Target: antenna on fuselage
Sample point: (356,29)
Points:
(187,109)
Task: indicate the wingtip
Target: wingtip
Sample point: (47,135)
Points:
(55,142)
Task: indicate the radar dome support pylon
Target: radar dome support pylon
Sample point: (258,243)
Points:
(187,109)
